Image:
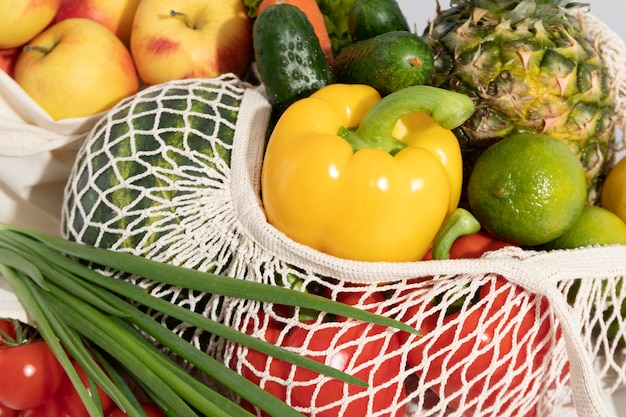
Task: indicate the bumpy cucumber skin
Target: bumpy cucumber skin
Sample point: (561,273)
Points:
(387,62)
(289,58)
(370,18)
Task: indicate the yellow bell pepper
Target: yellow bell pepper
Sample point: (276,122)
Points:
(364,178)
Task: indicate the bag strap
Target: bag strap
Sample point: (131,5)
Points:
(540,273)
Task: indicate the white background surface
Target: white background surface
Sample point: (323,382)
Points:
(418,12)
(611,12)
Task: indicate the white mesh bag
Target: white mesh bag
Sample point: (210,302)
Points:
(172,174)
(36,156)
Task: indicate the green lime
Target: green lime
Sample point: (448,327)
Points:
(594,226)
(527,189)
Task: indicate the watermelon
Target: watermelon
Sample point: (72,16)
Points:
(150,149)
(153,178)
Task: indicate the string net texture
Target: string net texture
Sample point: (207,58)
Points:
(172,174)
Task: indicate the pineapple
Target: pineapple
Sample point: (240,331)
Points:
(529,67)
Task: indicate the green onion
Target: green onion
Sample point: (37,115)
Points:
(211,283)
(91,316)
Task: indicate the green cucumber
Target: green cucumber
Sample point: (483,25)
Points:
(369,18)
(388,62)
(289,58)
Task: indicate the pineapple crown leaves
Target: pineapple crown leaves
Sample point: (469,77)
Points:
(549,23)
(518,12)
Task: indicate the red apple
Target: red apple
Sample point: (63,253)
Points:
(8,57)
(176,39)
(21,20)
(116,15)
(76,68)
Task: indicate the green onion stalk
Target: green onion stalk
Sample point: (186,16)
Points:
(94,319)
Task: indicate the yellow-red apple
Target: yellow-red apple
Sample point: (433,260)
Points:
(76,68)
(176,39)
(117,15)
(22,20)
(8,58)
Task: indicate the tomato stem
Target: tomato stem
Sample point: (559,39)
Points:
(458,223)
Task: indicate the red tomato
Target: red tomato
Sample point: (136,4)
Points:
(50,408)
(368,302)
(31,375)
(460,331)
(8,412)
(333,391)
(70,401)
(7,332)
(473,246)
(439,333)
(254,363)
(151,411)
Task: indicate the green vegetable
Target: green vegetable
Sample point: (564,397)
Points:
(79,311)
(335,16)
(369,18)
(290,60)
(388,62)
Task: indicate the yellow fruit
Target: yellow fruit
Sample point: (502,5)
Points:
(527,189)
(613,195)
(76,68)
(594,226)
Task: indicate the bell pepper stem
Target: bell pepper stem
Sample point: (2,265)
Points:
(448,108)
(458,223)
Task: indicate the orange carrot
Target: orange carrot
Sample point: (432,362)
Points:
(315,16)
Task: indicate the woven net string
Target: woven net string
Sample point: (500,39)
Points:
(611,48)
(180,184)
(539,274)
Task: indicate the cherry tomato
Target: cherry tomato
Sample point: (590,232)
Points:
(326,345)
(31,375)
(50,408)
(70,401)
(7,332)
(8,412)
(151,411)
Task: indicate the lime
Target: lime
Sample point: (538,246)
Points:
(527,189)
(594,226)
(613,194)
